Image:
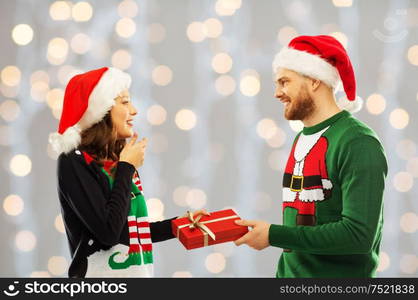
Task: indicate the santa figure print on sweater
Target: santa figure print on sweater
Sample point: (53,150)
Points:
(306,181)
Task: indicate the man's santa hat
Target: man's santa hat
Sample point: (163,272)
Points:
(88,98)
(324,58)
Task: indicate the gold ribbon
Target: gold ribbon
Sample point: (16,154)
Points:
(201,225)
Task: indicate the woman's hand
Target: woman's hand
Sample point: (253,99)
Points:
(133,152)
(196,213)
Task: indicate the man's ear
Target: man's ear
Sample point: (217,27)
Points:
(315,83)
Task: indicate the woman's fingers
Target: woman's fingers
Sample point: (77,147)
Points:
(133,139)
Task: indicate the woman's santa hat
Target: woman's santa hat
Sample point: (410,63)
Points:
(88,98)
(322,57)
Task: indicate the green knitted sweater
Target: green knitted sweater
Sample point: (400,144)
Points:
(332,201)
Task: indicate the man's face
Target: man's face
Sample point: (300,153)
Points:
(292,90)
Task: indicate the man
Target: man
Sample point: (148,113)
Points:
(334,178)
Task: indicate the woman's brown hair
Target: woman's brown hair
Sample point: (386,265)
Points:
(101,141)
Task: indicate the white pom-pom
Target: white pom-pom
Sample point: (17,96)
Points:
(67,141)
(351,106)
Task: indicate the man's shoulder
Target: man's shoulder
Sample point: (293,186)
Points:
(350,129)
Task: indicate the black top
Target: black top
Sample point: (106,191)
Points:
(94,215)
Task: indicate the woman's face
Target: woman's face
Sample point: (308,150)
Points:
(122,114)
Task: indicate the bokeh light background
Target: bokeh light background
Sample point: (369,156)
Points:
(202,83)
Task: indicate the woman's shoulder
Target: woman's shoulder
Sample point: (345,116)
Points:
(75,157)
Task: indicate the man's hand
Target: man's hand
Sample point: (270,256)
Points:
(258,237)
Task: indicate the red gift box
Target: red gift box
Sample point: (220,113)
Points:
(217,228)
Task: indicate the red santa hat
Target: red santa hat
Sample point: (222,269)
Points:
(322,57)
(88,98)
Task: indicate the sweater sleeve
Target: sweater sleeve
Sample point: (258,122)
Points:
(161,230)
(362,171)
(103,216)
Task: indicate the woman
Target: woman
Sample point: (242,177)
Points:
(102,204)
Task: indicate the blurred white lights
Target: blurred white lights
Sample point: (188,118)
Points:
(80,43)
(263,202)
(227,7)
(384,262)
(39,274)
(341,37)
(196,32)
(22,34)
(9,110)
(185,119)
(6,137)
(10,75)
(216,152)
(213,28)
(127,9)
(57,51)
(121,59)
(66,72)
(196,198)
(180,194)
(156,33)
(155,209)
(403,181)
(20,165)
(409,222)
(277,160)
(286,34)
(227,249)
(39,76)
(278,139)
(82,11)
(13,205)
(409,264)
(156,115)
(413,55)
(55,100)
(57,265)
(266,128)
(376,104)
(250,85)
(182,274)
(399,118)
(225,85)
(406,149)
(9,91)
(60,10)
(412,166)
(125,27)
(296,125)
(222,63)
(25,240)
(39,90)
(162,75)
(342,3)
(158,143)
(59,224)
(215,262)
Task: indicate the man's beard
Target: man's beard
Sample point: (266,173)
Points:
(301,107)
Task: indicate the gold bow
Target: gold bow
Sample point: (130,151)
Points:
(196,224)
(201,225)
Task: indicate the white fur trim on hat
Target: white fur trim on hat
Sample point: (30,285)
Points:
(67,141)
(307,64)
(351,106)
(100,101)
